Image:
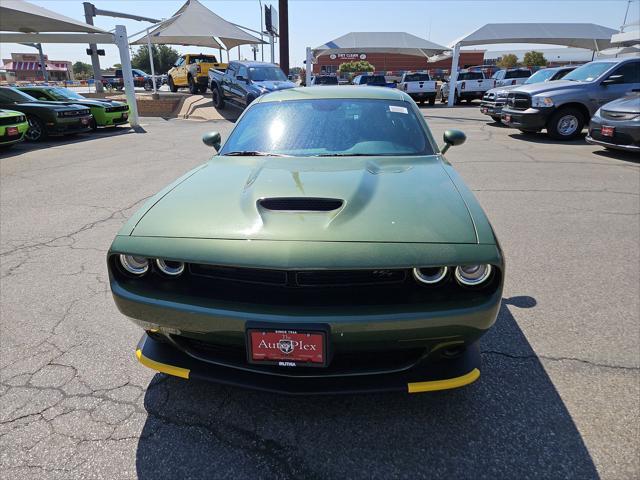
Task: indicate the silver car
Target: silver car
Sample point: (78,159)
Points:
(616,125)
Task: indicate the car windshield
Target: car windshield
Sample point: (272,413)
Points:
(203,59)
(261,74)
(589,71)
(65,94)
(374,80)
(470,76)
(540,76)
(416,77)
(329,127)
(328,80)
(11,95)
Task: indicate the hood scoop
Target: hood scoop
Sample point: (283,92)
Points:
(300,204)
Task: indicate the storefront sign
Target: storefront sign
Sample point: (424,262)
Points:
(348,56)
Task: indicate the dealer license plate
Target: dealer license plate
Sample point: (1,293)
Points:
(484,109)
(507,118)
(287,348)
(11,131)
(125,116)
(608,131)
(84,121)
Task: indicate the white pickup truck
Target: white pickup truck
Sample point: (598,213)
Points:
(469,86)
(419,86)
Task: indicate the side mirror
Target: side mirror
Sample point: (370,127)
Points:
(452,138)
(212,139)
(612,80)
(240,78)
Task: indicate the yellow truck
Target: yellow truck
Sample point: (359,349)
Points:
(192,71)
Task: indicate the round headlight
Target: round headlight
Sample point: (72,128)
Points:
(473,274)
(430,275)
(168,267)
(135,265)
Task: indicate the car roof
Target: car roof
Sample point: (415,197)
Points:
(248,63)
(342,91)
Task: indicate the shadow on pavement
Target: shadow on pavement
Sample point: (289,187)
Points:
(24,147)
(542,137)
(510,424)
(619,155)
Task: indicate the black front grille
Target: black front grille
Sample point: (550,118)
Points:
(11,120)
(301,204)
(617,139)
(122,108)
(519,101)
(340,362)
(301,278)
(73,113)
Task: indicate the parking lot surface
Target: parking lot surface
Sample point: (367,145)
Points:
(557,398)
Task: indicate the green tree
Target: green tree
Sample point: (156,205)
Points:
(82,71)
(117,65)
(534,59)
(163,58)
(359,66)
(509,60)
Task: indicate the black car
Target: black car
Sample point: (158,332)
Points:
(46,118)
(616,125)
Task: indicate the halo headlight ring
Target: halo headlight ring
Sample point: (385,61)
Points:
(473,275)
(430,278)
(133,264)
(170,268)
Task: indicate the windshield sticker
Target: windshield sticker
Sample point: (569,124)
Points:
(394,108)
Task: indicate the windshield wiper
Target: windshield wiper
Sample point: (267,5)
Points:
(252,153)
(341,154)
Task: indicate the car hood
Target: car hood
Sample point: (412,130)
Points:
(94,103)
(542,87)
(52,105)
(9,113)
(384,200)
(506,88)
(629,104)
(274,85)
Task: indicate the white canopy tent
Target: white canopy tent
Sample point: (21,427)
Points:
(194,24)
(581,35)
(628,36)
(23,22)
(375,42)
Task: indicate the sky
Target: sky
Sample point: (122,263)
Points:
(313,23)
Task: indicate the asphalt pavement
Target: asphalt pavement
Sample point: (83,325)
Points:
(559,394)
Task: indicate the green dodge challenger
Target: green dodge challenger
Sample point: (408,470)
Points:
(13,126)
(328,247)
(106,113)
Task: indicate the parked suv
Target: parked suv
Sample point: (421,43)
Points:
(565,106)
(494,99)
(373,80)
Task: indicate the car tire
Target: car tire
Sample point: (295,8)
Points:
(147,86)
(193,86)
(36,131)
(203,89)
(456,100)
(217,98)
(94,124)
(565,124)
(432,101)
(172,86)
(496,118)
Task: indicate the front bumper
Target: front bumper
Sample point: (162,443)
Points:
(6,139)
(423,377)
(493,109)
(112,118)
(67,126)
(626,135)
(529,119)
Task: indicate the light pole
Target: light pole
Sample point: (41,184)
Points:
(261,30)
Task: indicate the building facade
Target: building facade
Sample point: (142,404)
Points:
(395,64)
(25,67)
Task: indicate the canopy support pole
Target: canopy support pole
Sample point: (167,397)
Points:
(95,61)
(153,70)
(127,75)
(453,78)
(309,65)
